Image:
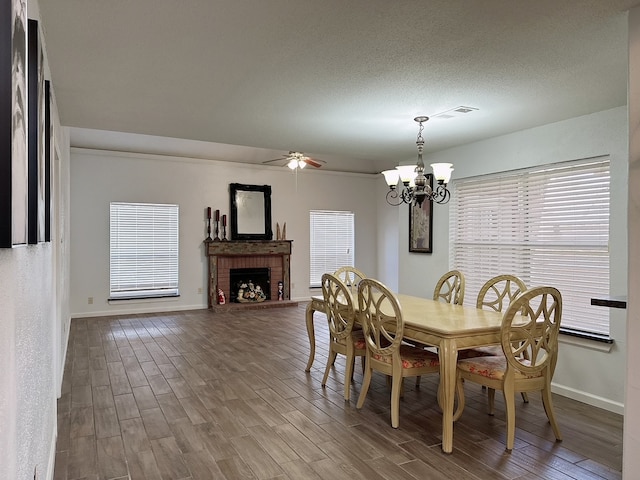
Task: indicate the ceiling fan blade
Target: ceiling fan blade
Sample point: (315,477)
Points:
(266,162)
(314,163)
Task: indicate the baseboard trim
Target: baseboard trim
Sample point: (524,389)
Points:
(588,398)
(52,452)
(133,310)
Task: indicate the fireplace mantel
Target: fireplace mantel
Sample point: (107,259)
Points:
(224,255)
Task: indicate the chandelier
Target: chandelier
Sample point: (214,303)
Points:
(415,184)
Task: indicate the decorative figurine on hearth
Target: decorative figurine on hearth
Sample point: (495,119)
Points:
(221,298)
(280,290)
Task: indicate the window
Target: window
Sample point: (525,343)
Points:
(332,240)
(548,225)
(144,250)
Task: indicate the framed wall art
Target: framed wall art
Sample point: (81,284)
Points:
(421,224)
(48,147)
(33,132)
(13,127)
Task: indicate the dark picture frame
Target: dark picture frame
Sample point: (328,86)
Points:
(13,128)
(35,140)
(421,224)
(250,209)
(48,147)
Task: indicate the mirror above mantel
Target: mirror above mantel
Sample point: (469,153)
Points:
(250,212)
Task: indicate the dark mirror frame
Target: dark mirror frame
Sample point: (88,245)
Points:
(266,191)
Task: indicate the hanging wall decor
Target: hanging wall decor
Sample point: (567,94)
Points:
(35,229)
(421,224)
(13,127)
(48,147)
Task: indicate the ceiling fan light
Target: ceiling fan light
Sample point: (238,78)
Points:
(292,164)
(302,163)
(442,172)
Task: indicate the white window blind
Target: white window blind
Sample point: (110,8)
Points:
(144,250)
(548,225)
(332,241)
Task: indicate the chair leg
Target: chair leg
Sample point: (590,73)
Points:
(396,387)
(510,407)
(330,359)
(491,397)
(548,408)
(460,393)
(525,397)
(418,381)
(348,375)
(389,385)
(366,380)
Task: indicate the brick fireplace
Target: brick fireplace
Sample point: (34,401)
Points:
(250,254)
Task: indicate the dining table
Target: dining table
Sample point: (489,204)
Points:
(448,327)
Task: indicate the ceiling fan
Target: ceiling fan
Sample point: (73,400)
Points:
(295,160)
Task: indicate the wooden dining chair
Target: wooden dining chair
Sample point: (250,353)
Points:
(497,294)
(450,288)
(343,339)
(381,318)
(529,334)
(351,277)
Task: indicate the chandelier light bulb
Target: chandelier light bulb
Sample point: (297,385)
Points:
(442,172)
(391,177)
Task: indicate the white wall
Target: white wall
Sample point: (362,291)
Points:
(584,371)
(34,323)
(99,177)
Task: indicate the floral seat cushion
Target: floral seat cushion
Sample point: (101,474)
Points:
(490,367)
(357,336)
(412,357)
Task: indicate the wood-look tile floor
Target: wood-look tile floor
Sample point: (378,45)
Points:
(202,395)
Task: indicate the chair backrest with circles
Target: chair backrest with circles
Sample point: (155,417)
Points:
(499,292)
(350,276)
(381,317)
(530,329)
(529,341)
(339,304)
(450,288)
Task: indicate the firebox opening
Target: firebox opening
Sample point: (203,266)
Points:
(250,284)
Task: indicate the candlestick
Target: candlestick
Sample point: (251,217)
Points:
(209,213)
(217,215)
(208,239)
(217,238)
(224,228)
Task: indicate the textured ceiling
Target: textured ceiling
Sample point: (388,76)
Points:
(339,80)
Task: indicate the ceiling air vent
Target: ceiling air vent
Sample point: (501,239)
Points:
(455,112)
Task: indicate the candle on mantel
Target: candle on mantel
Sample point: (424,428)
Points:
(224,220)
(217,215)
(209,213)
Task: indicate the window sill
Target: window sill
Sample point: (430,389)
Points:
(586,340)
(157,298)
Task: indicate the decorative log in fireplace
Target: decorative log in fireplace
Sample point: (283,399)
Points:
(253,254)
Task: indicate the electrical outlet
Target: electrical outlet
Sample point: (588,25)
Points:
(90,301)
(200,290)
